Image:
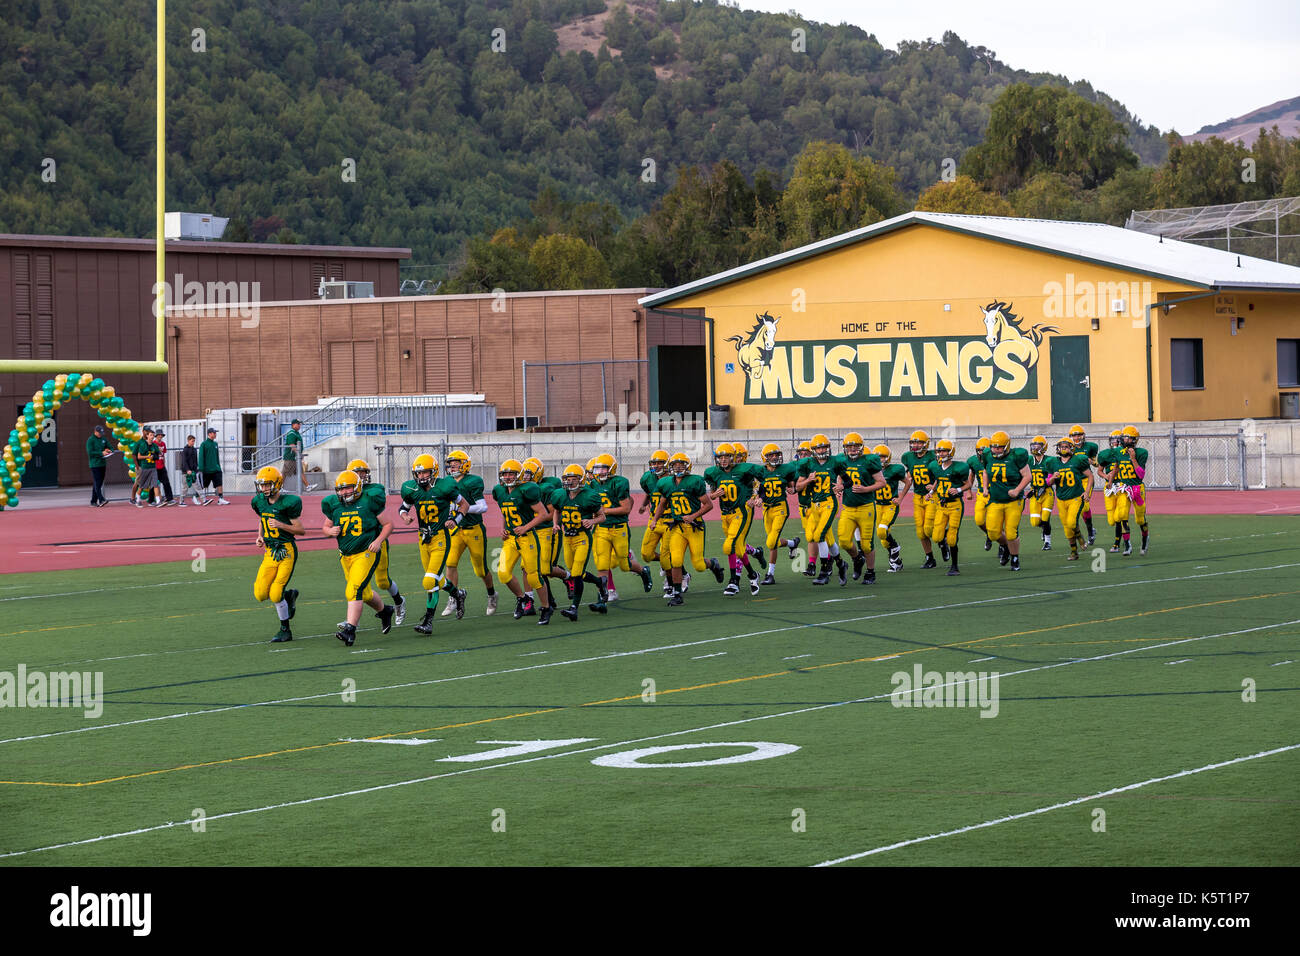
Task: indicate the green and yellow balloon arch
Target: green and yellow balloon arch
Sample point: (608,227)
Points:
(53,395)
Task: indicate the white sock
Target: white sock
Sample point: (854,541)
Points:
(823,549)
(282,609)
(835,550)
(771,568)
(392,588)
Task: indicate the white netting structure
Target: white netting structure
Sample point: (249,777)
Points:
(1265,229)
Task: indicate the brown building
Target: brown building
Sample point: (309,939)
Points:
(89,299)
(297,352)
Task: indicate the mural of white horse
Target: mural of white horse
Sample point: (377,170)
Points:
(754,350)
(1003,325)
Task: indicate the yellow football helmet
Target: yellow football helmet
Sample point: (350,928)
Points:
(943,451)
(1077,434)
(918,442)
(999,444)
(804,450)
(533,470)
(772,454)
(851,441)
(742,453)
(1129,438)
(725,450)
(1065,448)
(658,463)
(606,461)
(884,453)
(1115,437)
(269,481)
(348,487)
(508,473)
(572,476)
(1038,445)
(680,463)
(981,444)
(458,463)
(361,469)
(424,470)
(821,447)
(589,475)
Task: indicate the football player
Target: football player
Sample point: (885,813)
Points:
(653,545)
(548,542)
(918,460)
(887,499)
(818,475)
(612,545)
(383,580)
(1072,468)
(1006,471)
(976,465)
(684,501)
(358,522)
(1107,458)
(471,536)
(522,512)
(439,508)
(1127,475)
(280,516)
(857,479)
(734,485)
(944,497)
(578,509)
(807,518)
(1041,497)
(778,481)
(1089,450)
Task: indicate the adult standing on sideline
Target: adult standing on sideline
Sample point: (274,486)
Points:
(210,466)
(190,468)
(98,453)
(293,453)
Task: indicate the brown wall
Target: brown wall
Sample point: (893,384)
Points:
(301,351)
(91,299)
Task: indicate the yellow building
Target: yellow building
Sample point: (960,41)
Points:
(930,317)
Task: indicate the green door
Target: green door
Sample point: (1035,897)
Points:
(43,469)
(1071,381)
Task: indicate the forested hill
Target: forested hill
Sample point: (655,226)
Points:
(457,113)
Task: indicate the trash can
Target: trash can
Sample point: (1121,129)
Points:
(1290,404)
(719,417)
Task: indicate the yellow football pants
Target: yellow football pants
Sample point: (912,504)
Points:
(886,515)
(273,576)
(433,558)
(577,549)
(1040,507)
(818,523)
(1070,510)
(946,523)
(472,539)
(735,527)
(920,516)
(774,518)
(682,538)
(358,570)
(654,544)
(611,543)
(1002,517)
(861,518)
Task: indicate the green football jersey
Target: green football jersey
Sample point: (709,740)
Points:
(862,470)
(517,503)
(948,482)
(358,520)
(804,496)
(1127,474)
(1070,473)
(285,508)
(735,484)
(822,487)
(549,485)
(1108,458)
(894,475)
(1040,474)
(778,482)
(1004,473)
(613,490)
(976,464)
(919,466)
(684,497)
(572,510)
(471,489)
(434,506)
(650,485)
(376,491)
(1088,449)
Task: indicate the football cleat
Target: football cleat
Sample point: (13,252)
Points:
(676,601)
(1047,543)
(385,618)
(347,633)
(492,604)
(400,609)
(545,616)
(291,596)
(646,580)
(794,548)
(988,543)
(842,569)
(519,608)
(732,587)
(716,568)
(929,562)
(754,585)
(1128,548)
(460,603)
(869,577)
(1114,548)
(1004,557)
(953,572)
(811,570)
(599,607)
(1015,563)
(686,581)
(859,562)
(284,634)
(769,580)
(530,607)
(447,611)
(943,550)
(426,623)
(823,578)
(611,595)
(570,612)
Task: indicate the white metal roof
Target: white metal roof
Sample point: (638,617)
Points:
(1184,262)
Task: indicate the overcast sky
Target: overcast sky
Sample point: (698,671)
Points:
(1178,65)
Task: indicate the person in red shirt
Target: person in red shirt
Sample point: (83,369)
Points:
(161,464)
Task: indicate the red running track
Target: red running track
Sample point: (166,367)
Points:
(71,536)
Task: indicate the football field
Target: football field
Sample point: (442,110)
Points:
(1120,711)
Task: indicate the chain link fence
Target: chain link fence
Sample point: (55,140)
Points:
(558,394)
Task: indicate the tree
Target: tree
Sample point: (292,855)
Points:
(831,191)
(1049,196)
(1048,129)
(566,262)
(1207,173)
(963,195)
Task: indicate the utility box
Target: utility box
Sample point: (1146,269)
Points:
(1290,402)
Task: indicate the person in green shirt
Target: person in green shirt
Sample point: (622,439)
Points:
(279,523)
(438,511)
(918,459)
(210,467)
(1006,472)
(818,475)
(1089,451)
(1039,494)
(949,479)
(654,540)
(735,487)
(577,509)
(857,479)
(293,455)
(1105,463)
(684,501)
(613,546)
(358,522)
(383,579)
(471,536)
(1069,478)
(807,517)
(1126,475)
(776,481)
(522,512)
(981,492)
(887,501)
(98,452)
(146,474)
